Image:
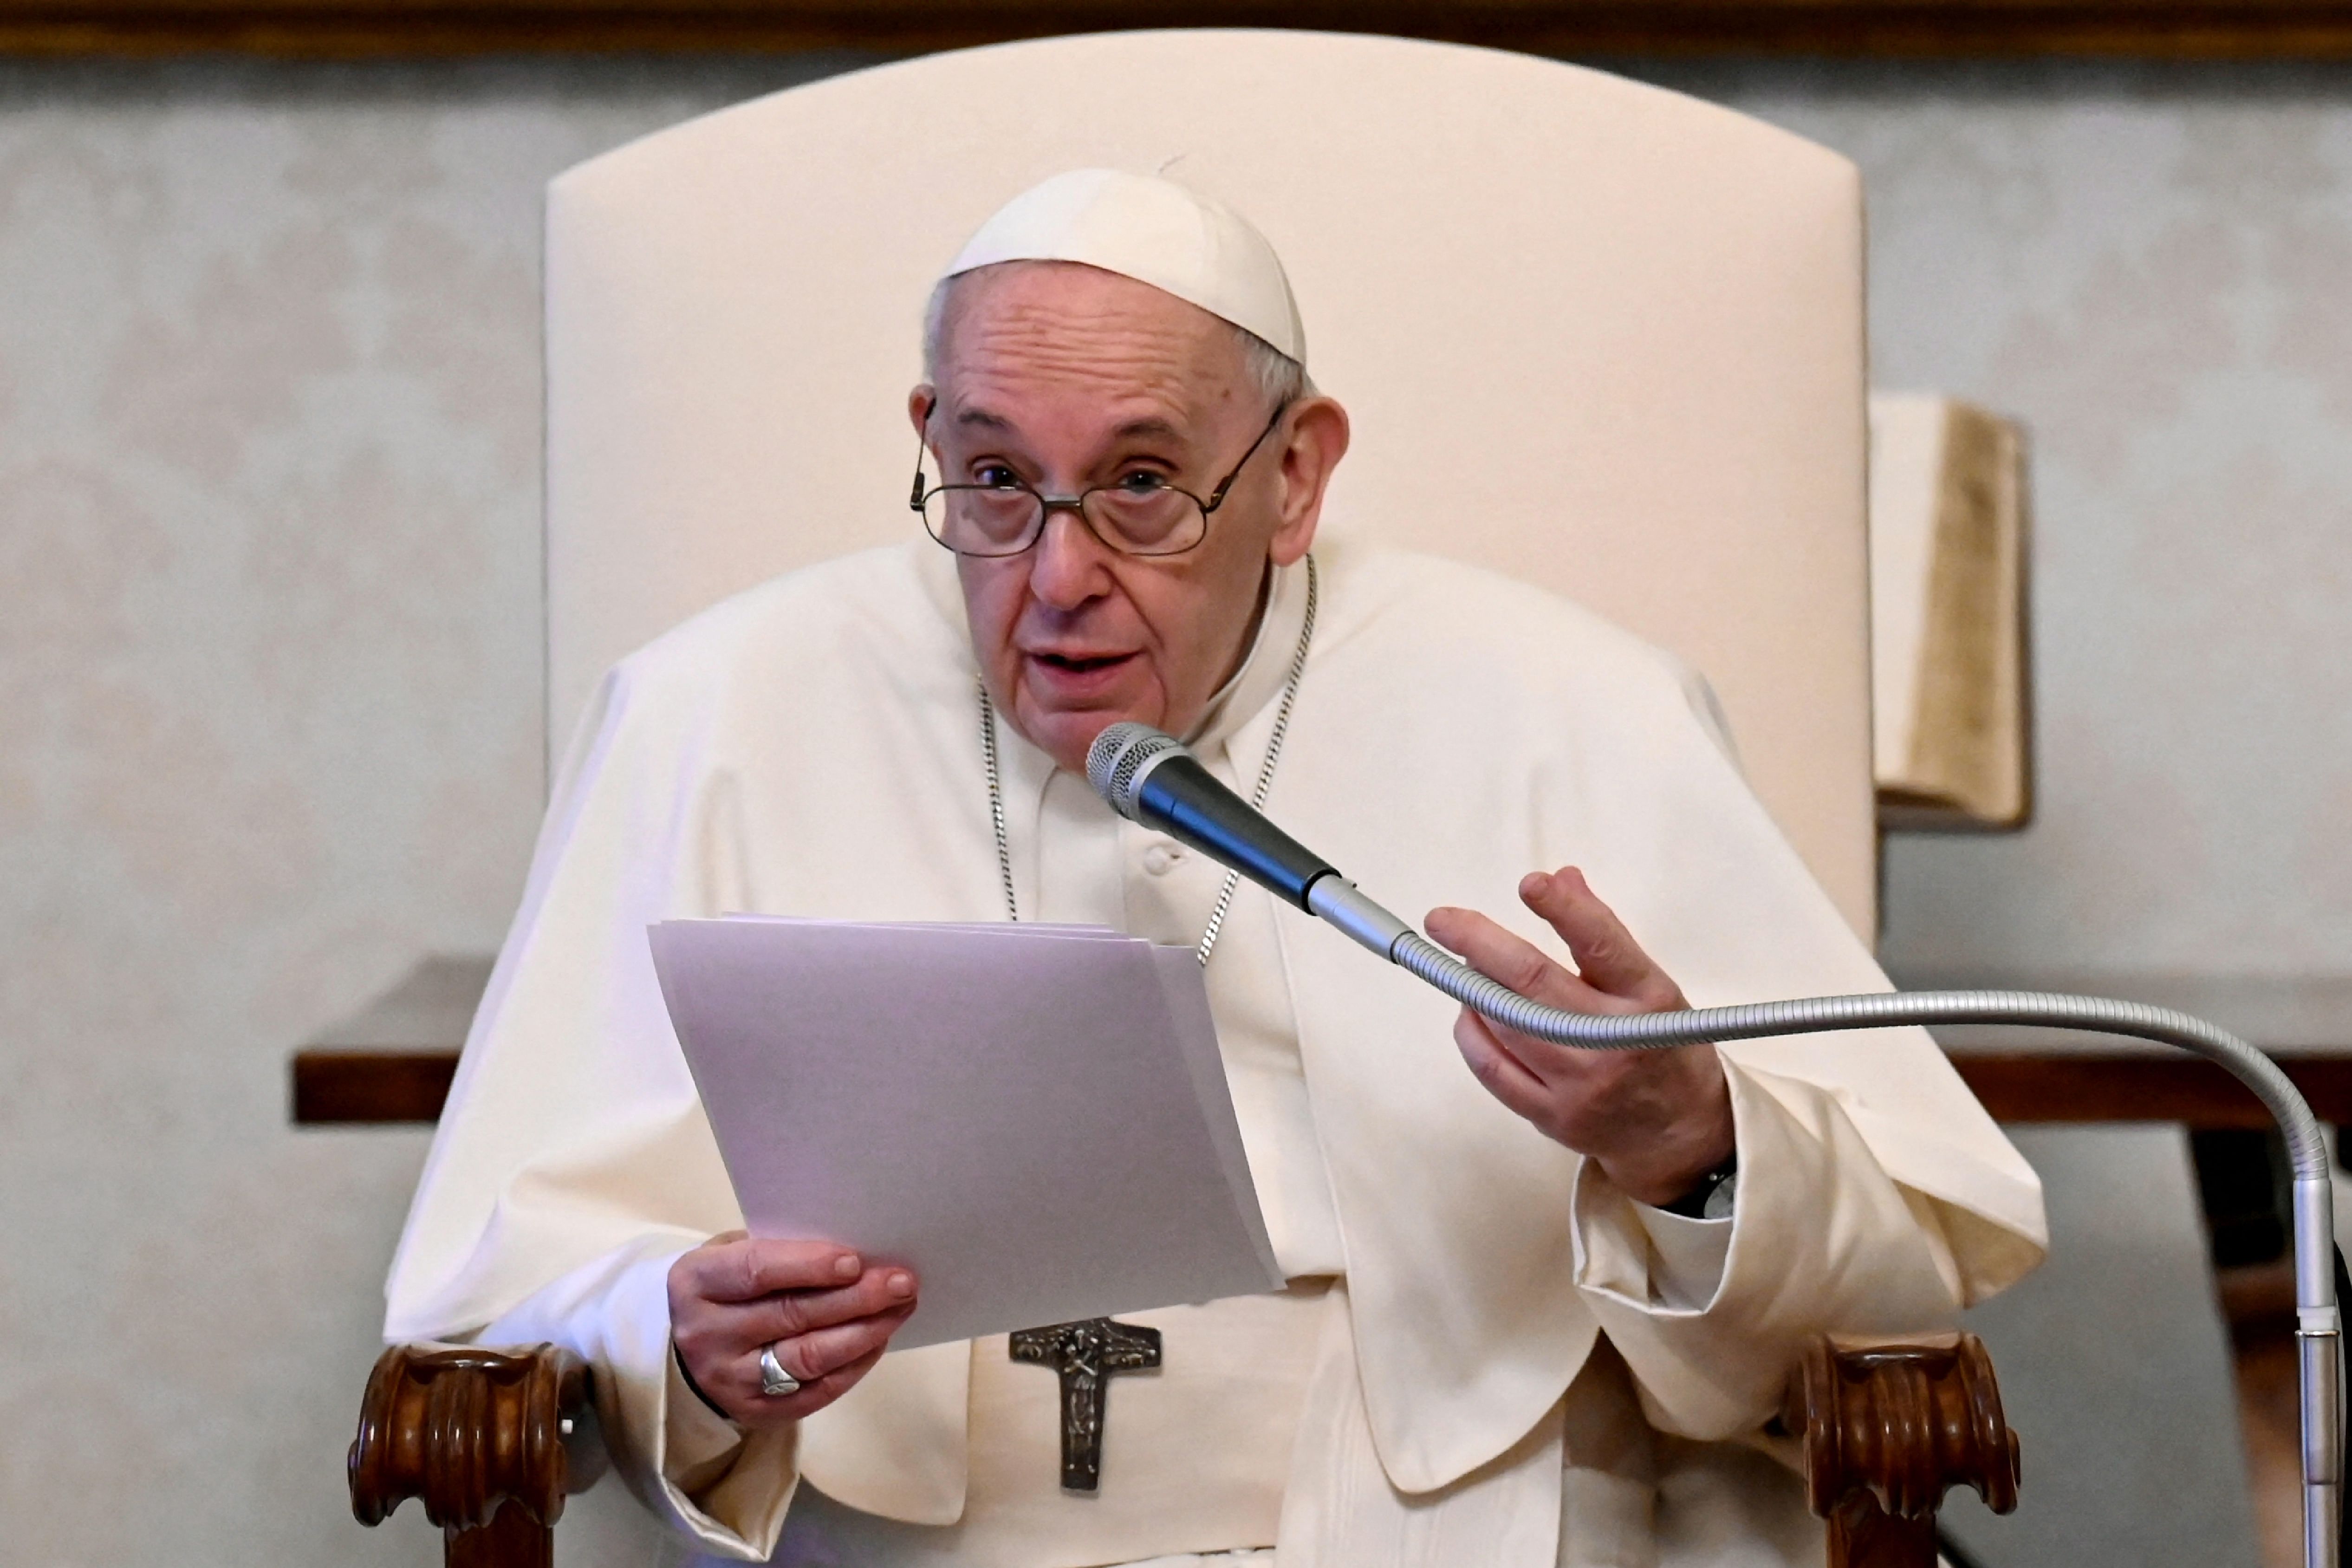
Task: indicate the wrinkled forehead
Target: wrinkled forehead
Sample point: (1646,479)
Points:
(1028,329)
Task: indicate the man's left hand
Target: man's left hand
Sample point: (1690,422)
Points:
(1655,1120)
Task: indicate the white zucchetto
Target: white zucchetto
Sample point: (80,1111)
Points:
(1154,231)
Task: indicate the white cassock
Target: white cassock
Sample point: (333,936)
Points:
(1487,1354)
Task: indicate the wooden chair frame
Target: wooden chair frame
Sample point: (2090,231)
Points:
(492,1441)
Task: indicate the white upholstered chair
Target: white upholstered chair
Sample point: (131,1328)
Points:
(1596,335)
(1602,337)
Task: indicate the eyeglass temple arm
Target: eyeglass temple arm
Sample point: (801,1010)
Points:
(923,444)
(1217,496)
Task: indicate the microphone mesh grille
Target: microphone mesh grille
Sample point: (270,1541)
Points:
(1118,755)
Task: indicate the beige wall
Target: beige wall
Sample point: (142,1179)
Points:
(269,671)
(2155,271)
(270,696)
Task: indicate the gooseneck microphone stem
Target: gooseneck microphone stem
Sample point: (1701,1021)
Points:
(1150,778)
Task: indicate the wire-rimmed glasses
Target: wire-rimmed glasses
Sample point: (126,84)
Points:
(1139,514)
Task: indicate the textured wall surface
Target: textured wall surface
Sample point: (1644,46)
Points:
(269,670)
(2154,271)
(270,687)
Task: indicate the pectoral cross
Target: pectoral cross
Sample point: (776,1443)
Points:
(1087,1354)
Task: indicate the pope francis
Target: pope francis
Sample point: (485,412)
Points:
(1540,1303)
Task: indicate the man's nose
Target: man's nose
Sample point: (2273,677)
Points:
(1072,565)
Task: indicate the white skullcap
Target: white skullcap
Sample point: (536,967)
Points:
(1154,231)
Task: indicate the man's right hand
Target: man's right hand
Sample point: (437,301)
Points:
(828,1314)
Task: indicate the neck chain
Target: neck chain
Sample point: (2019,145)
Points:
(1257,795)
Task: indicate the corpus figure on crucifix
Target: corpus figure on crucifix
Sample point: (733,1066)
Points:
(1087,1354)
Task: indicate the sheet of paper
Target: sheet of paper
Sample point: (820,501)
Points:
(1033,1118)
(1182,983)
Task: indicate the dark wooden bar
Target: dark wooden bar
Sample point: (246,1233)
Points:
(341,1086)
(372,1087)
(2129,1086)
(349,29)
(391,1062)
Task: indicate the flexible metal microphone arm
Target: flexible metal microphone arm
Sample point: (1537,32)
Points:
(1202,813)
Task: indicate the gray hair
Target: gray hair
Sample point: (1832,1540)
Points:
(1278,378)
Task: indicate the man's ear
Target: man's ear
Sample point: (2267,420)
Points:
(920,403)
(1316,440)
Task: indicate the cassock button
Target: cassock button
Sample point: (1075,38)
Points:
(1161,859)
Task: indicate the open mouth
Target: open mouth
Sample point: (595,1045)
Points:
(1081,666)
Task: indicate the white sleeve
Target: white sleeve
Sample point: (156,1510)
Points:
(699,1443)
(1686,1256)
(1821,1238)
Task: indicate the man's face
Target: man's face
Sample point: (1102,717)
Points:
(1067,377)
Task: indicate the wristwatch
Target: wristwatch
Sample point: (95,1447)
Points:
(1712,1195)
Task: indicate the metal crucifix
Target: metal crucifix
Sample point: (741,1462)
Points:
(1086,1355)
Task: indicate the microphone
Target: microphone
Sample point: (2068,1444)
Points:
(1150,778)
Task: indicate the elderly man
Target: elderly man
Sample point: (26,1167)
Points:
(1540,1303)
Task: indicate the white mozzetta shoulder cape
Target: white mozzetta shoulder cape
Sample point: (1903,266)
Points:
(811,748)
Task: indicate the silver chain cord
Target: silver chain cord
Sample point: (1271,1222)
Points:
(1265,773)
(1257,795)
(996,796)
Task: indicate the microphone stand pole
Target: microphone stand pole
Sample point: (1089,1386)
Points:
(2318,1323)
(1151,778)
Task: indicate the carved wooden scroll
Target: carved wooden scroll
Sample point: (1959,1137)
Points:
(491,1441)
(1888,1428)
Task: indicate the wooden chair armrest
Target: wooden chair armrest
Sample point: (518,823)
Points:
(491,1441)
(1888,1426)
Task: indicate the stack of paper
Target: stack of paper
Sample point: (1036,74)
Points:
(1033,1117)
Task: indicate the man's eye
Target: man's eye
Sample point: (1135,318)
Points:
(1141,482)
(995,475)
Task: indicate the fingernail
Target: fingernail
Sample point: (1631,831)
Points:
(902,1283)
(848,1265)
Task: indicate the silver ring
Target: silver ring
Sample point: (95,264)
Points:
(775,1381)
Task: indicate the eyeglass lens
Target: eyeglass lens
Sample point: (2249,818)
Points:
(1004,520)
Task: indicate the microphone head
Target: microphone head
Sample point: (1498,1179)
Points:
(1120,757)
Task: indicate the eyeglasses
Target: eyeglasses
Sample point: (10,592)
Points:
(1141,514)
